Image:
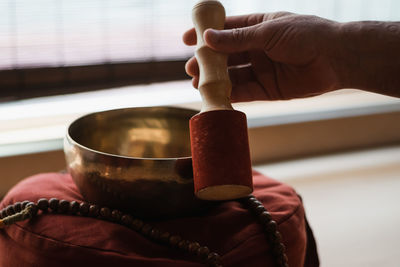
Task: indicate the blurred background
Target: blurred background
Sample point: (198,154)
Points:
(60,59)
(71,32)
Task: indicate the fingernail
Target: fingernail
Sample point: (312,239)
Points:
(212,36)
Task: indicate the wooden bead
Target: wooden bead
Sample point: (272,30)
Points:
(17,206)
(146,229)
(137,224)
(84,208)
(3,213)
(116,215)
(155,234)
(264,217)
(278,249)
(273,236)
(213,259)
(203,252)
(10,210)
(164,237)
(43,204)
(53,204)
(279,260)
(25,216)
(285,258)
(193,247)
(251,199)
(282,259)
(24,203)
(277,237)
(278,244)
(126,219)
(174,240)
(63,206)
(271,226)
(33,207)
(94,210)
(74,207)
(255,204)
(184,245)
(105,213)
(259,209)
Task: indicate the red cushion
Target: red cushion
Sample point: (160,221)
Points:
(229,229)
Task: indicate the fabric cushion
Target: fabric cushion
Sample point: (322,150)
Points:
(228,229)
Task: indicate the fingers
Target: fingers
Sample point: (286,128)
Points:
(252,19)
(245,37)
(240,75)
(250,91)
(189,37)
(235,40)
(192,67)
(277,15)
(195,82)
(243,20)
(234,60)
(245,85)
(232,22)
(238,59)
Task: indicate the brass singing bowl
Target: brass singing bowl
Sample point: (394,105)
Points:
(136,159)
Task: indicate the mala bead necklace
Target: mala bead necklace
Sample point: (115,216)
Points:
(25,210)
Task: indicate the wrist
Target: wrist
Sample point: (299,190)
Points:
(368,56)
(341,56)
(346,56)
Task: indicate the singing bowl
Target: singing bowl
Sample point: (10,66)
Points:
(136,160)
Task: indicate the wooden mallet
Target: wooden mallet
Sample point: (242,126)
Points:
(219,139)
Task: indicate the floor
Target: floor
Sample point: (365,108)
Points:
(352,201)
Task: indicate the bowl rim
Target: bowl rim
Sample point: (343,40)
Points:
(72,142)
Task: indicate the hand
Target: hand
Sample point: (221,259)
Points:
(275,56)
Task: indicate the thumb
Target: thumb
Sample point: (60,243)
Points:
(235,40)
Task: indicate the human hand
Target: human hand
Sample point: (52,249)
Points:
(275,56)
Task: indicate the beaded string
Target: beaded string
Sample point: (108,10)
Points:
(21,211)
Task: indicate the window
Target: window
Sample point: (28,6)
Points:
(50,47)
(61,46)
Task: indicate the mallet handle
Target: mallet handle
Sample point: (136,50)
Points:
(214,84)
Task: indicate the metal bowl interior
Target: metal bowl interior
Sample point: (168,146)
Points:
(160,132)
(135,159)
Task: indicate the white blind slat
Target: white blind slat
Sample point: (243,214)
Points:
(74,32)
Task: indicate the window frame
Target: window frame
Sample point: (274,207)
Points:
(24,83)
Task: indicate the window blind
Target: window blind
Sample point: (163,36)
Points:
(58,34)
(77,32)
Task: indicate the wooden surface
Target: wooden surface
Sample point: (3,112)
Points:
(281,142)
(14,169)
